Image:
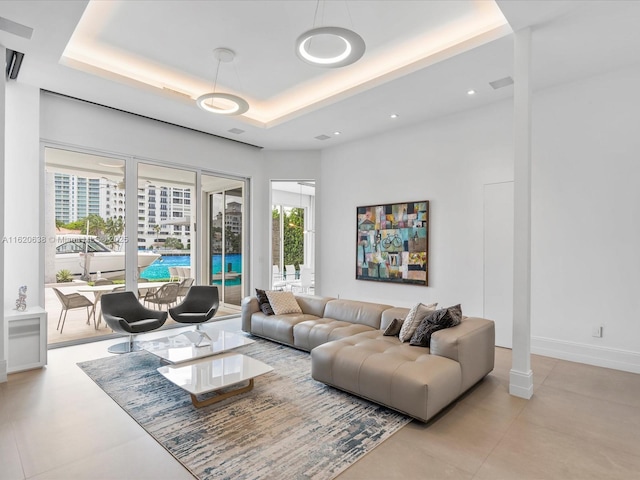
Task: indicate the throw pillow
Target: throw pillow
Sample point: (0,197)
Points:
(413,319)
(263,301)
(283,302)
(438,320)
(394,328)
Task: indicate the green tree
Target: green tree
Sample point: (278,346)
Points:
(96,224)
(173,242)
(113,230)
(293,230)
(233,241)
(275,236)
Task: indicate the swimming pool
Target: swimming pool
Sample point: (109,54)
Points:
(160,268)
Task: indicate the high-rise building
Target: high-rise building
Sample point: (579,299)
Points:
(76,197)
(163,212)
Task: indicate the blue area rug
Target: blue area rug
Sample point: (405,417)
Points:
(288,426)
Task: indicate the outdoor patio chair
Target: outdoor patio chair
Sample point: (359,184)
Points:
(290,273)
(199,306)
(306,280)
(72,301)
(174,275)
(124,314)
(184,287)
(103,281)
(167,295)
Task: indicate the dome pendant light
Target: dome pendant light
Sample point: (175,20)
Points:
(222,103)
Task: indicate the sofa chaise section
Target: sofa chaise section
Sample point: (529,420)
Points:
(418,381)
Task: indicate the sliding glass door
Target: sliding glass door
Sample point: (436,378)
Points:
(226,237)
(84,214)
(166,218)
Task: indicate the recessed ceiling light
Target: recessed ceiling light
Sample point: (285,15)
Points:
(337,133)
(471,92)
(394,115)
(110,165)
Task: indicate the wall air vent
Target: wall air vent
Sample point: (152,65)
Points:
(237,131)
(322,137)
(503,82)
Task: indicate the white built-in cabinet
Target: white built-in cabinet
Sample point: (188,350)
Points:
(26,339)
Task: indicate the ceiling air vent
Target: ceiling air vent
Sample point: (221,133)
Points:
(237,131)
(14,61)
(322,137)
(503,82)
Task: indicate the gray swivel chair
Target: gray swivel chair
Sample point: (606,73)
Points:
(199,306)
(125,314)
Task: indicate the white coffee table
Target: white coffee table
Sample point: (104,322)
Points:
(180,348)
(209,375)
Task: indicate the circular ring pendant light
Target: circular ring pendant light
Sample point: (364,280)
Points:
(238,107)
(228,104)
(354,47)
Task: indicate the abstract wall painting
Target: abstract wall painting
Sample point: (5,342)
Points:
(392,243)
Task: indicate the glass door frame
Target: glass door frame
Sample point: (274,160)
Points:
(131,218)
(246,230)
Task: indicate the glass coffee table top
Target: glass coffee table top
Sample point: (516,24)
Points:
(185,347)
(213,374)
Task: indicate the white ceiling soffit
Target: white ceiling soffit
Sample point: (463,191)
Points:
(571,40)
(168,47)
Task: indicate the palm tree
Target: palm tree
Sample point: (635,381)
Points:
(113,229)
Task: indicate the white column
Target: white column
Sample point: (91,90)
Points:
(50,228)
(3,326)
(131,224)
(521,376)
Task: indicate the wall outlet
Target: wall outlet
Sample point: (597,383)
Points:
(596,331)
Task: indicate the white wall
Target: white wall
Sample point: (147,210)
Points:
(446,162)
(585,202)
(22,194)
(586,220)
(3,350)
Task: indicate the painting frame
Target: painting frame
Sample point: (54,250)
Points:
(392,243)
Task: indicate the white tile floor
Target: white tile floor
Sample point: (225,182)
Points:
(583,422)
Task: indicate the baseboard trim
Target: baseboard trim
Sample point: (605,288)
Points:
(590,354)
(3,371)
(521,384)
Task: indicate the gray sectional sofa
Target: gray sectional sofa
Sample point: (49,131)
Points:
(350,352)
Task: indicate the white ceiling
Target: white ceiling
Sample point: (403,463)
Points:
(408,69)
